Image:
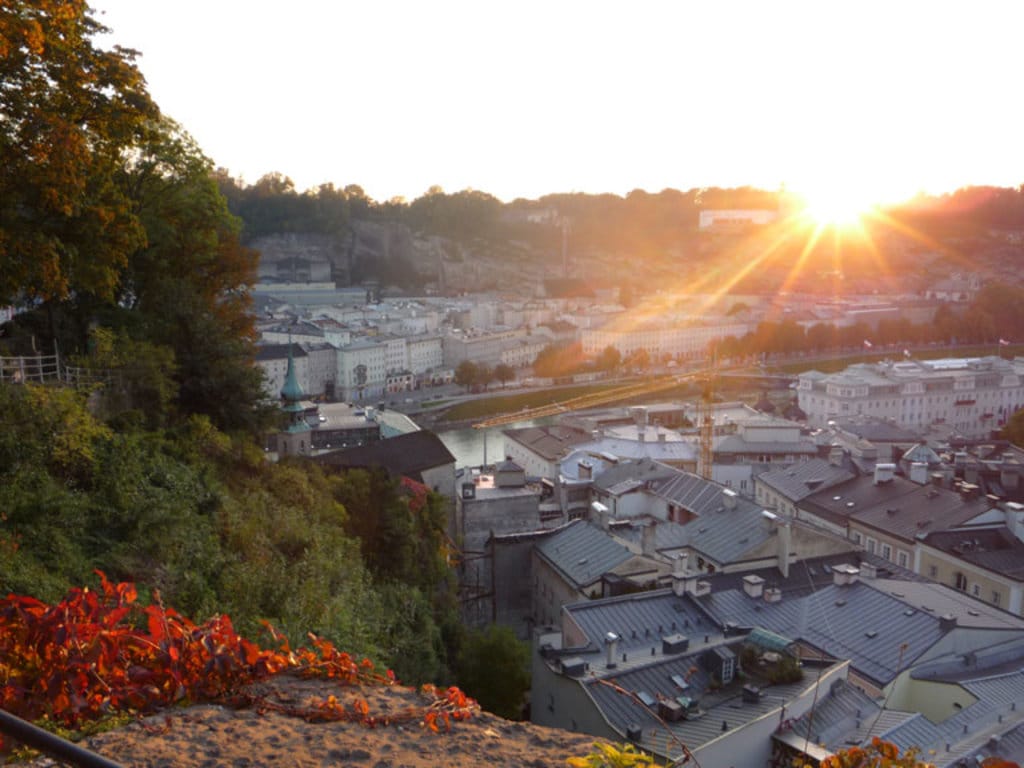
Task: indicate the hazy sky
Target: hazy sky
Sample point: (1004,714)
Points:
(524,98)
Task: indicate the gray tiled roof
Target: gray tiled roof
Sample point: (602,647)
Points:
(550,442)
(857,622)
(805,478)
(641,620)
(736,444)
(583,553)
(994,697)
(994,549)
(622,710)
(925,508)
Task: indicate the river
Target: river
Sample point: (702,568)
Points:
(467,445)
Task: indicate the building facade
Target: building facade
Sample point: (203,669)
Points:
(971,395)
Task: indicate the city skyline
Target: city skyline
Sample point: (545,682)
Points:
(869,102)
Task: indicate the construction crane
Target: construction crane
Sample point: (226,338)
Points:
(706,420)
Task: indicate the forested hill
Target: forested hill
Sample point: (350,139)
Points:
(586,240)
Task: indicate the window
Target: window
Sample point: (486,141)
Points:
(902,558)
(976,590)
(933,571)
(887,552)
(996,596)
(857,538)
(871,543)
(961,582)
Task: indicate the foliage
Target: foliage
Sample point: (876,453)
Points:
(71,112)
(504,373)
(609,756)
(494,667)
(466,373)
(609,359)
(1014,429)
(99,652)
(557,360)
(879,754)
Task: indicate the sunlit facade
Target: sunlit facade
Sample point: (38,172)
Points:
(971,395)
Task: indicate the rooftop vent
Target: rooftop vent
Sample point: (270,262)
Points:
(672,644)
(884,473)
(753,585)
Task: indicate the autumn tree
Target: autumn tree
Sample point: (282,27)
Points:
(71,113)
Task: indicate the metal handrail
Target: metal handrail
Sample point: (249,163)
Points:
(51,744)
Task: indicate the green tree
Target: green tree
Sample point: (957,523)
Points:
(71,112)
(494,668)
(466,374)
(190,282)
(504,373)
(1014,429)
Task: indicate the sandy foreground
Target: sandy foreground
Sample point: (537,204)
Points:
(212,736)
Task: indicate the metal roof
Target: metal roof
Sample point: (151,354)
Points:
(615,697)
(877,632)
(805,478)
(583,553)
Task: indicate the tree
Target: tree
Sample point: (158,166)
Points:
(609,359)
(504,373)
(485,376)
(1014,429)
(466,374)
(71,112)
(190,281)
(494,668)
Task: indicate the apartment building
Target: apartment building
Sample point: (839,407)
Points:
(973,396)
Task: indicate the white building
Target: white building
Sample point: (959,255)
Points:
(425,353)
(973,396)
(729,219)
(478,346)
(362,370)
(679,342)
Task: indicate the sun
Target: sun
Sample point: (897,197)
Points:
(835,204)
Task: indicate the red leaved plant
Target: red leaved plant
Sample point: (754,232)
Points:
(97,653)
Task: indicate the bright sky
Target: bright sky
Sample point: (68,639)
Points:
(525,98)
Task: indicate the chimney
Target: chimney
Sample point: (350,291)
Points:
(919,473)
(937,479)
(884,473)
(947,621)
(868,571)
(729,498)
(599,514)
(969,491)
(585,470)
(611,643)
(647,539)
(772,594)
(753,585)
(785,545)
(661,437)
(640,434)
(835,455)
(844,575)
(1012,511)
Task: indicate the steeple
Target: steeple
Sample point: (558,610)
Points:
(291,392)
(294,439)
